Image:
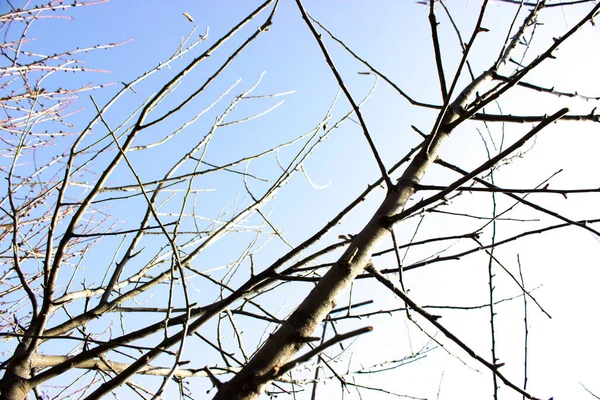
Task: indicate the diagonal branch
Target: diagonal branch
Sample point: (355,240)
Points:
(522,200)
(437,50)
(355,106)
(483,167)
(433,319)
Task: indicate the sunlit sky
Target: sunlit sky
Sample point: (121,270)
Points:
(394,36)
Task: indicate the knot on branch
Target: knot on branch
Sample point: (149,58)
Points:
(307,339)
(266,26)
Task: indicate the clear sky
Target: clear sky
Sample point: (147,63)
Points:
(394,36)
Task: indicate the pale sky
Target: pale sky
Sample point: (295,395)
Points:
(395,38)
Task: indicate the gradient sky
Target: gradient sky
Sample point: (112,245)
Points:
(394,36)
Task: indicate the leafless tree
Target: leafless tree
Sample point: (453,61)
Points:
(103,251)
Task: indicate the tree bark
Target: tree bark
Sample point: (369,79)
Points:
(253,379)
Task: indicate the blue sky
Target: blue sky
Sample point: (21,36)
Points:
(394,37)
